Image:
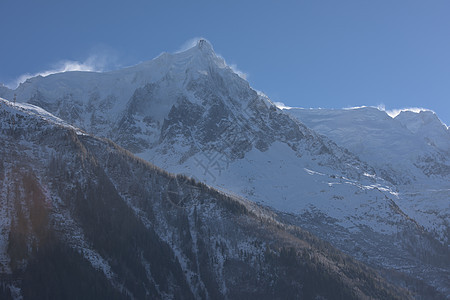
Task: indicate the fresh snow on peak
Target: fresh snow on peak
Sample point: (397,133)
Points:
(204,45)
(80,92)
(427,126)
(197,44)
(395,112)
(414,121)
(198,59)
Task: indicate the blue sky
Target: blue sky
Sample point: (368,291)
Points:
(319,53)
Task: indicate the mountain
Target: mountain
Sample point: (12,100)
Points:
(83,218)
(412,150)
(189,113)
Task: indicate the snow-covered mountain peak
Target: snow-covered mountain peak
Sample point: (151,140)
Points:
(426,125)
(199,57)
(416,121)
(195,60)
(204,45)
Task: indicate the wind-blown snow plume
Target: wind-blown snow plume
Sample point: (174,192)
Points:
(94,63)
(189,44)
(241,74)
(394,112)
(281,105)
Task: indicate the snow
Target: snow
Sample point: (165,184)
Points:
(281,180)
(395,145)
(26,109)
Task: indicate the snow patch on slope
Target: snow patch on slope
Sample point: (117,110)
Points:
(317,188)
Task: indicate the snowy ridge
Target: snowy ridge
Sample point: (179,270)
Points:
(25,109)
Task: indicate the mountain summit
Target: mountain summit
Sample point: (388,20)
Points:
(204,45)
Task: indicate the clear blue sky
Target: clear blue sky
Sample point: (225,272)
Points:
(303,53)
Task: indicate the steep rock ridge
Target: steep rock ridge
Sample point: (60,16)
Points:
(190,113)
(84,218)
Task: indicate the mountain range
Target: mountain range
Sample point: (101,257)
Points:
(375,187)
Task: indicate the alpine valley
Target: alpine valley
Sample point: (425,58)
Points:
(267,203)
